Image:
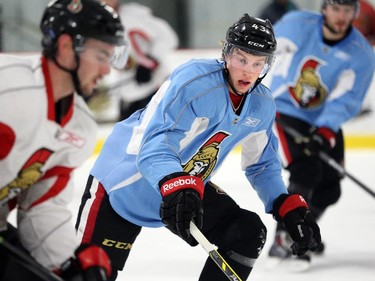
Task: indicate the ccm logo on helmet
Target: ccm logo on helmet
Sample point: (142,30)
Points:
(169,186)
(255,44)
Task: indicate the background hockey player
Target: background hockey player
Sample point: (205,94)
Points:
(365,22)
(46,131)
(151,41)
(319,82)
(155,168)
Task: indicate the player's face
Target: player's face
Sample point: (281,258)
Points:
(338,18)
(94,64)
(244,69)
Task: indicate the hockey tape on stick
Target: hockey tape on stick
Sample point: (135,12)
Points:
(301,139)
(28,263)
(213,253)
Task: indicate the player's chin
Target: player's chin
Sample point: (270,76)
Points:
(242,87)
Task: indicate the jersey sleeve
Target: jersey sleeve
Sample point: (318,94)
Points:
(260,160)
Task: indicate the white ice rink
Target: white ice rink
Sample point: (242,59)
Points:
(348,229)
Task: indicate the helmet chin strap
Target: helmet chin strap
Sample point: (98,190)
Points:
(72,72)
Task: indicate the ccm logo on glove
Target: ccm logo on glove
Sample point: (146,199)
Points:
(181,182)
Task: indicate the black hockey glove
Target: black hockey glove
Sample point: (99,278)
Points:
(181,203)
(143,74)
(320,139)
(91,263)
(293,211)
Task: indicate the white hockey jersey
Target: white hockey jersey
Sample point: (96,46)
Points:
(38,155)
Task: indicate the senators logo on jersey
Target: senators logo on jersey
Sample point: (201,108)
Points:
(29,174)
(308,92)
(204,161)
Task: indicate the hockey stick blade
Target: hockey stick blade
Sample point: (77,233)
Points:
(28,263)
(300,139)
(213,253)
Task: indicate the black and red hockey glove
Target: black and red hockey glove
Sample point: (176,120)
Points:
(293,211)
(182,196)
(91,263)
(320,139)
(144,72)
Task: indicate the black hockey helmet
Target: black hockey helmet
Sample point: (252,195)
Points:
(81,19)
(251,35)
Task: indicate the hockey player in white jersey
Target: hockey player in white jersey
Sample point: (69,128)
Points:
(46,131)
(155,168)
(319,82)
(151,41)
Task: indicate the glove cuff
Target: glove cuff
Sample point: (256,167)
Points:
(92,256)
(328,135)
(286,203)
(178,181)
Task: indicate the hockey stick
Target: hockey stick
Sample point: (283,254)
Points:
(213,253)
(120,83)
(29,263)
(106,88)
(300,139)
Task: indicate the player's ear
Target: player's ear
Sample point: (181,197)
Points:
(65,49)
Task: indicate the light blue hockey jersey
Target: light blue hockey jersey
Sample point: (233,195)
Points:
(320,84)
(189,125)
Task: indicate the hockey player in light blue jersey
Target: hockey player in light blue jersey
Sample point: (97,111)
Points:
(324,69)
(155,167)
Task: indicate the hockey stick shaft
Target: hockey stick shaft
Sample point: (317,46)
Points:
(300,139)
(213,253)
(113,86)
(28,262)
(120,83)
